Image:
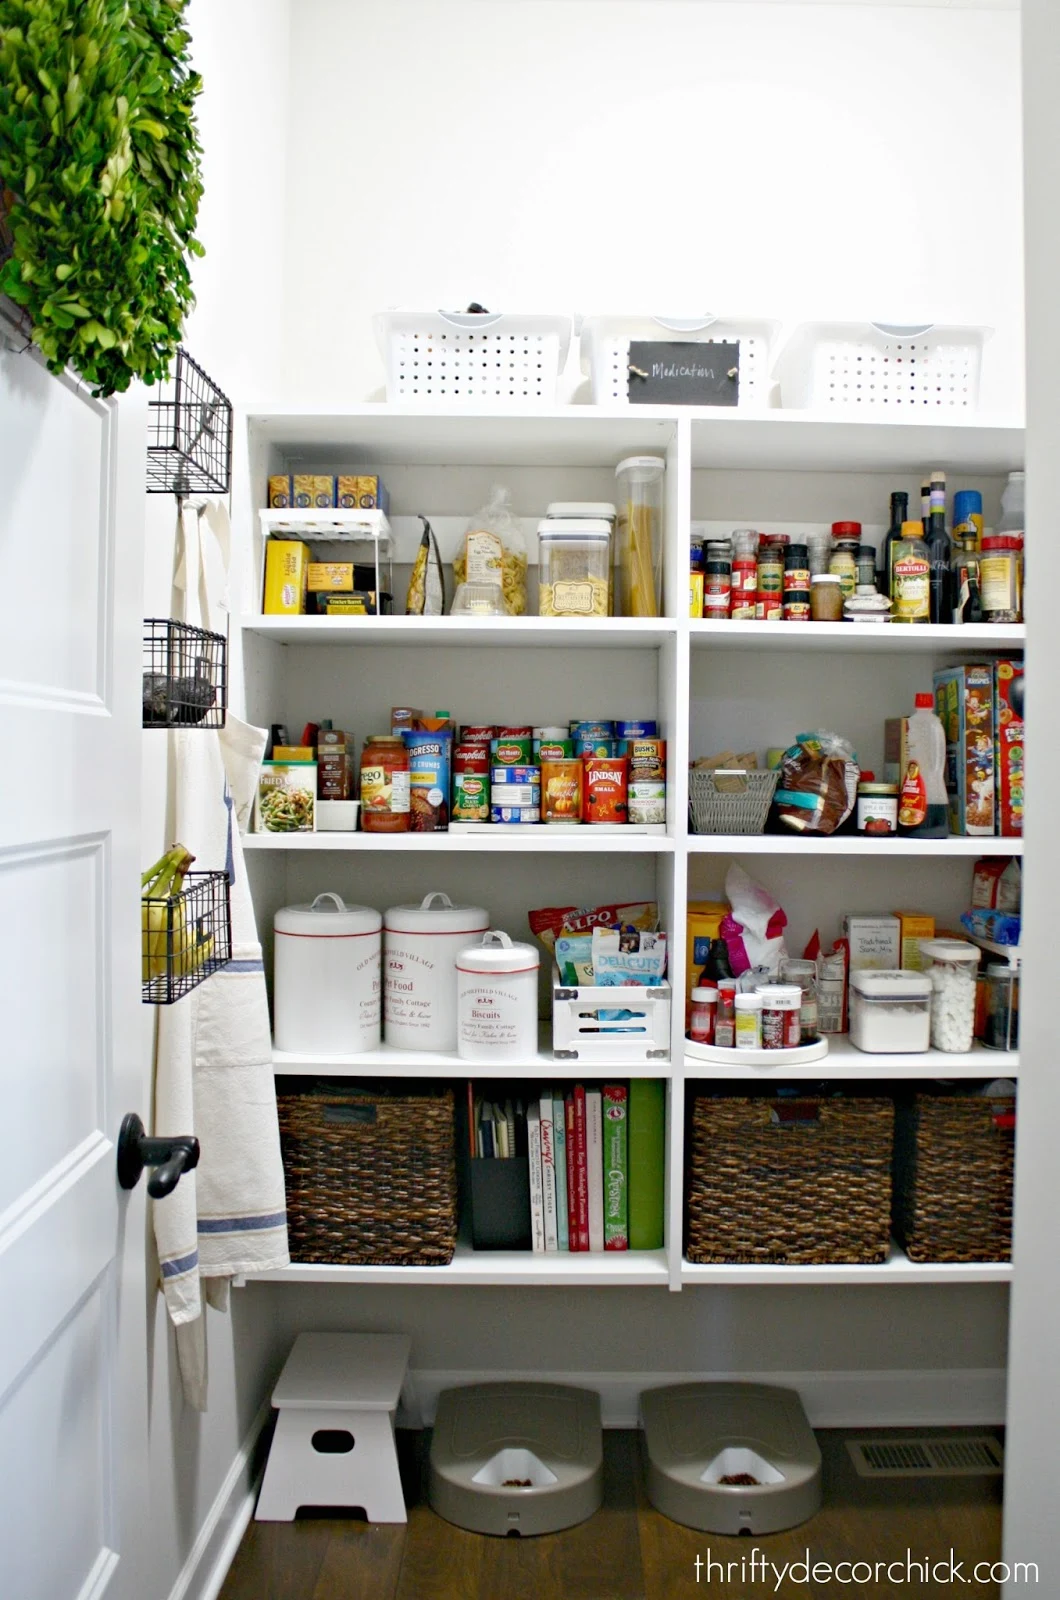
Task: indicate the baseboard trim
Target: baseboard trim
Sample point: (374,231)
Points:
(225,1523)
(956,1397)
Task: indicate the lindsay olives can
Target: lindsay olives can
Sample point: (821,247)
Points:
(606,788)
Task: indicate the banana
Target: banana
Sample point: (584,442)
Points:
(163,929)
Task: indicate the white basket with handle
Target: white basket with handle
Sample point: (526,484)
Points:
(605,342)
(473,355)
(593,1022)
(862,366)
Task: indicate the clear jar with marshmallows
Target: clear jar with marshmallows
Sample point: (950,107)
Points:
(952,965)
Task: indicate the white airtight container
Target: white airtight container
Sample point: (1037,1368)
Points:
(497,1000)
(951,966)
(890,1012)
(419,970)
(327,978)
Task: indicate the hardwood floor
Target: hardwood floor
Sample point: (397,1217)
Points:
(628,1550)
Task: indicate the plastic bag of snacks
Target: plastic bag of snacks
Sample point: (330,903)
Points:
(818,784)
(550,924)
(754,928)
(495,552)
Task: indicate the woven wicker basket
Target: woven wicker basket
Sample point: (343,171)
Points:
(774,1180)
(741,805)
(371,1176)
(953,1170)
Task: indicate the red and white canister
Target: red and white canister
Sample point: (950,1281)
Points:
(419,970)
(327,978)
(496,1002)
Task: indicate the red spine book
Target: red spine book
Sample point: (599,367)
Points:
(573,1242)
(581,1169)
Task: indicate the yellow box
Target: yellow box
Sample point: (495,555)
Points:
(360,491)
(915,925)
(280,492)
(358,604)
(286,575)
(330,576)
(704,924)
(313,489)
(695,594)
(293,752)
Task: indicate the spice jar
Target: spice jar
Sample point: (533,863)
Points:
(803,974)
(844,559)
(781,1006)
(385,793)
(717,582)
(819,545)
(704,1013)
(826,597)
(725,1020)
(951,965)
(796,583)
(744,574)
(769,606)
(748,1024)
(1001,577)
(1001,1026)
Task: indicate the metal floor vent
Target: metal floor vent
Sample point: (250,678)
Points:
(927,1458)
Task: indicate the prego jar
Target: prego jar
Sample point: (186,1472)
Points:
(497,1000)
(385,793)
(327,978)
(421,943)
(951,965)
(781,1005)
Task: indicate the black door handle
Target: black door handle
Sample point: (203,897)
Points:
(171,1157)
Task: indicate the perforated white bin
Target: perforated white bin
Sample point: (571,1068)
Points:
(862,366)
(460,356)
(591,1022)
(605,342)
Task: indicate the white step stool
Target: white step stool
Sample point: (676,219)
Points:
(334,1438)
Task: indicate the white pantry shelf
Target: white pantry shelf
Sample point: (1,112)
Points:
(845,1063)
(390,1062)
(846,844)
(494,839)
(806,441)
(482,1268)
(523,633)
(897,1269)
(864,637)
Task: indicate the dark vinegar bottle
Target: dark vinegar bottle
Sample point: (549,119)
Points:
(899,513)
(940,553)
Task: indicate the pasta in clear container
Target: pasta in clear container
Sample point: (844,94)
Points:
(575,569)
(638,555)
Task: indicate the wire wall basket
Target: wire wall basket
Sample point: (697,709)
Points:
(185,673)
(185,938)
(189,435)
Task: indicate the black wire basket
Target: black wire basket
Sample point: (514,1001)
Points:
(189,435)
(185,937)
(185,673)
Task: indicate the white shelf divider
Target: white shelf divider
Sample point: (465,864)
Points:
(845,844)
(864,637)
(528,633)
(471,1268)
(845,1063)
(501,839)
(897,1269)
(388,1062)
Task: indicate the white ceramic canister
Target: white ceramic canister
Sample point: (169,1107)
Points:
(327,978)
(497,1000)
(419,970)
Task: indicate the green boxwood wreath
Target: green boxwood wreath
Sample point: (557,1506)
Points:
(100,164)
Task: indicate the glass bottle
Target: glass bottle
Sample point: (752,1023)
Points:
(899,513)
(911,576)
(940,553)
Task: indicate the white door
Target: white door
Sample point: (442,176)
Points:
(73,1290)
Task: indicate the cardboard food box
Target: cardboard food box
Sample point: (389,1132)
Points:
(964,703)
(997,885)
(895,752)
(286,577)
(313,489)
(704,924)
(361,492)
(287,797)
(1008,741)
(874,943)
(914,926)
(280,493)
(334,766)
(336,576)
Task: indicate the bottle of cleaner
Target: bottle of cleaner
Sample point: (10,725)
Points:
(923,810)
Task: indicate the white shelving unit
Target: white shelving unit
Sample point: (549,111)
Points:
(710,686)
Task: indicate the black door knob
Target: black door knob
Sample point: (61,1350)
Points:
(170,1157)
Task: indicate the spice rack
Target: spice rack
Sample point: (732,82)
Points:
(691,676)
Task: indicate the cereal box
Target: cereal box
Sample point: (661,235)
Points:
(1008,743)
(914,926)
(313,489)
(964,703)
(286,575)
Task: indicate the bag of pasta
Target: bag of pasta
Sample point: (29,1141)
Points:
(818,784)
(495,552)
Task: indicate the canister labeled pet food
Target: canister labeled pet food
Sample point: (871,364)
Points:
(471,783)
(497,1000)
(327,978)
(419,969)
(561,791)
(606,789)
(781,1006)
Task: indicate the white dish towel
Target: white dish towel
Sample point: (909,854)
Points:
(213,1069)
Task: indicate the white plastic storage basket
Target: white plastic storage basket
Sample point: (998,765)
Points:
(445,355)
(605,351)
(595,1023)
(865,366)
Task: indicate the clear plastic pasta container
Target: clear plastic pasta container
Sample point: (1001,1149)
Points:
(638,554)
(890,1012)
(574,577)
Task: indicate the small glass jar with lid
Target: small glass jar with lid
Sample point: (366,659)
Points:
(575,567)
(951,965)
(826,597)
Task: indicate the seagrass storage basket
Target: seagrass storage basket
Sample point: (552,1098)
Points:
(954,1156)
(729,802)
(370,1172)
(777,1180)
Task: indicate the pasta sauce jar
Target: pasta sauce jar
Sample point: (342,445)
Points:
(385,792)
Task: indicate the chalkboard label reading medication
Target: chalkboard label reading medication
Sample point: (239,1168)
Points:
(683,372)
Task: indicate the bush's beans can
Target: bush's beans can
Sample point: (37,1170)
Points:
(606,789)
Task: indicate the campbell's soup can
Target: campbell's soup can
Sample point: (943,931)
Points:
(471,786)
(606,789)
(477,734)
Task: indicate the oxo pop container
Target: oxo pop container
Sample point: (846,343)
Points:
(419,969)
(326,978)
(574,576)
(890,1011)
(638,545)
(497,999)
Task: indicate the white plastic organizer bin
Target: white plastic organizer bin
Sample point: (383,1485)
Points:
(863,366)
(605,342)
(459,356)
(592,1022)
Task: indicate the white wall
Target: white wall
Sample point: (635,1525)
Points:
(792,161)
(241,49)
